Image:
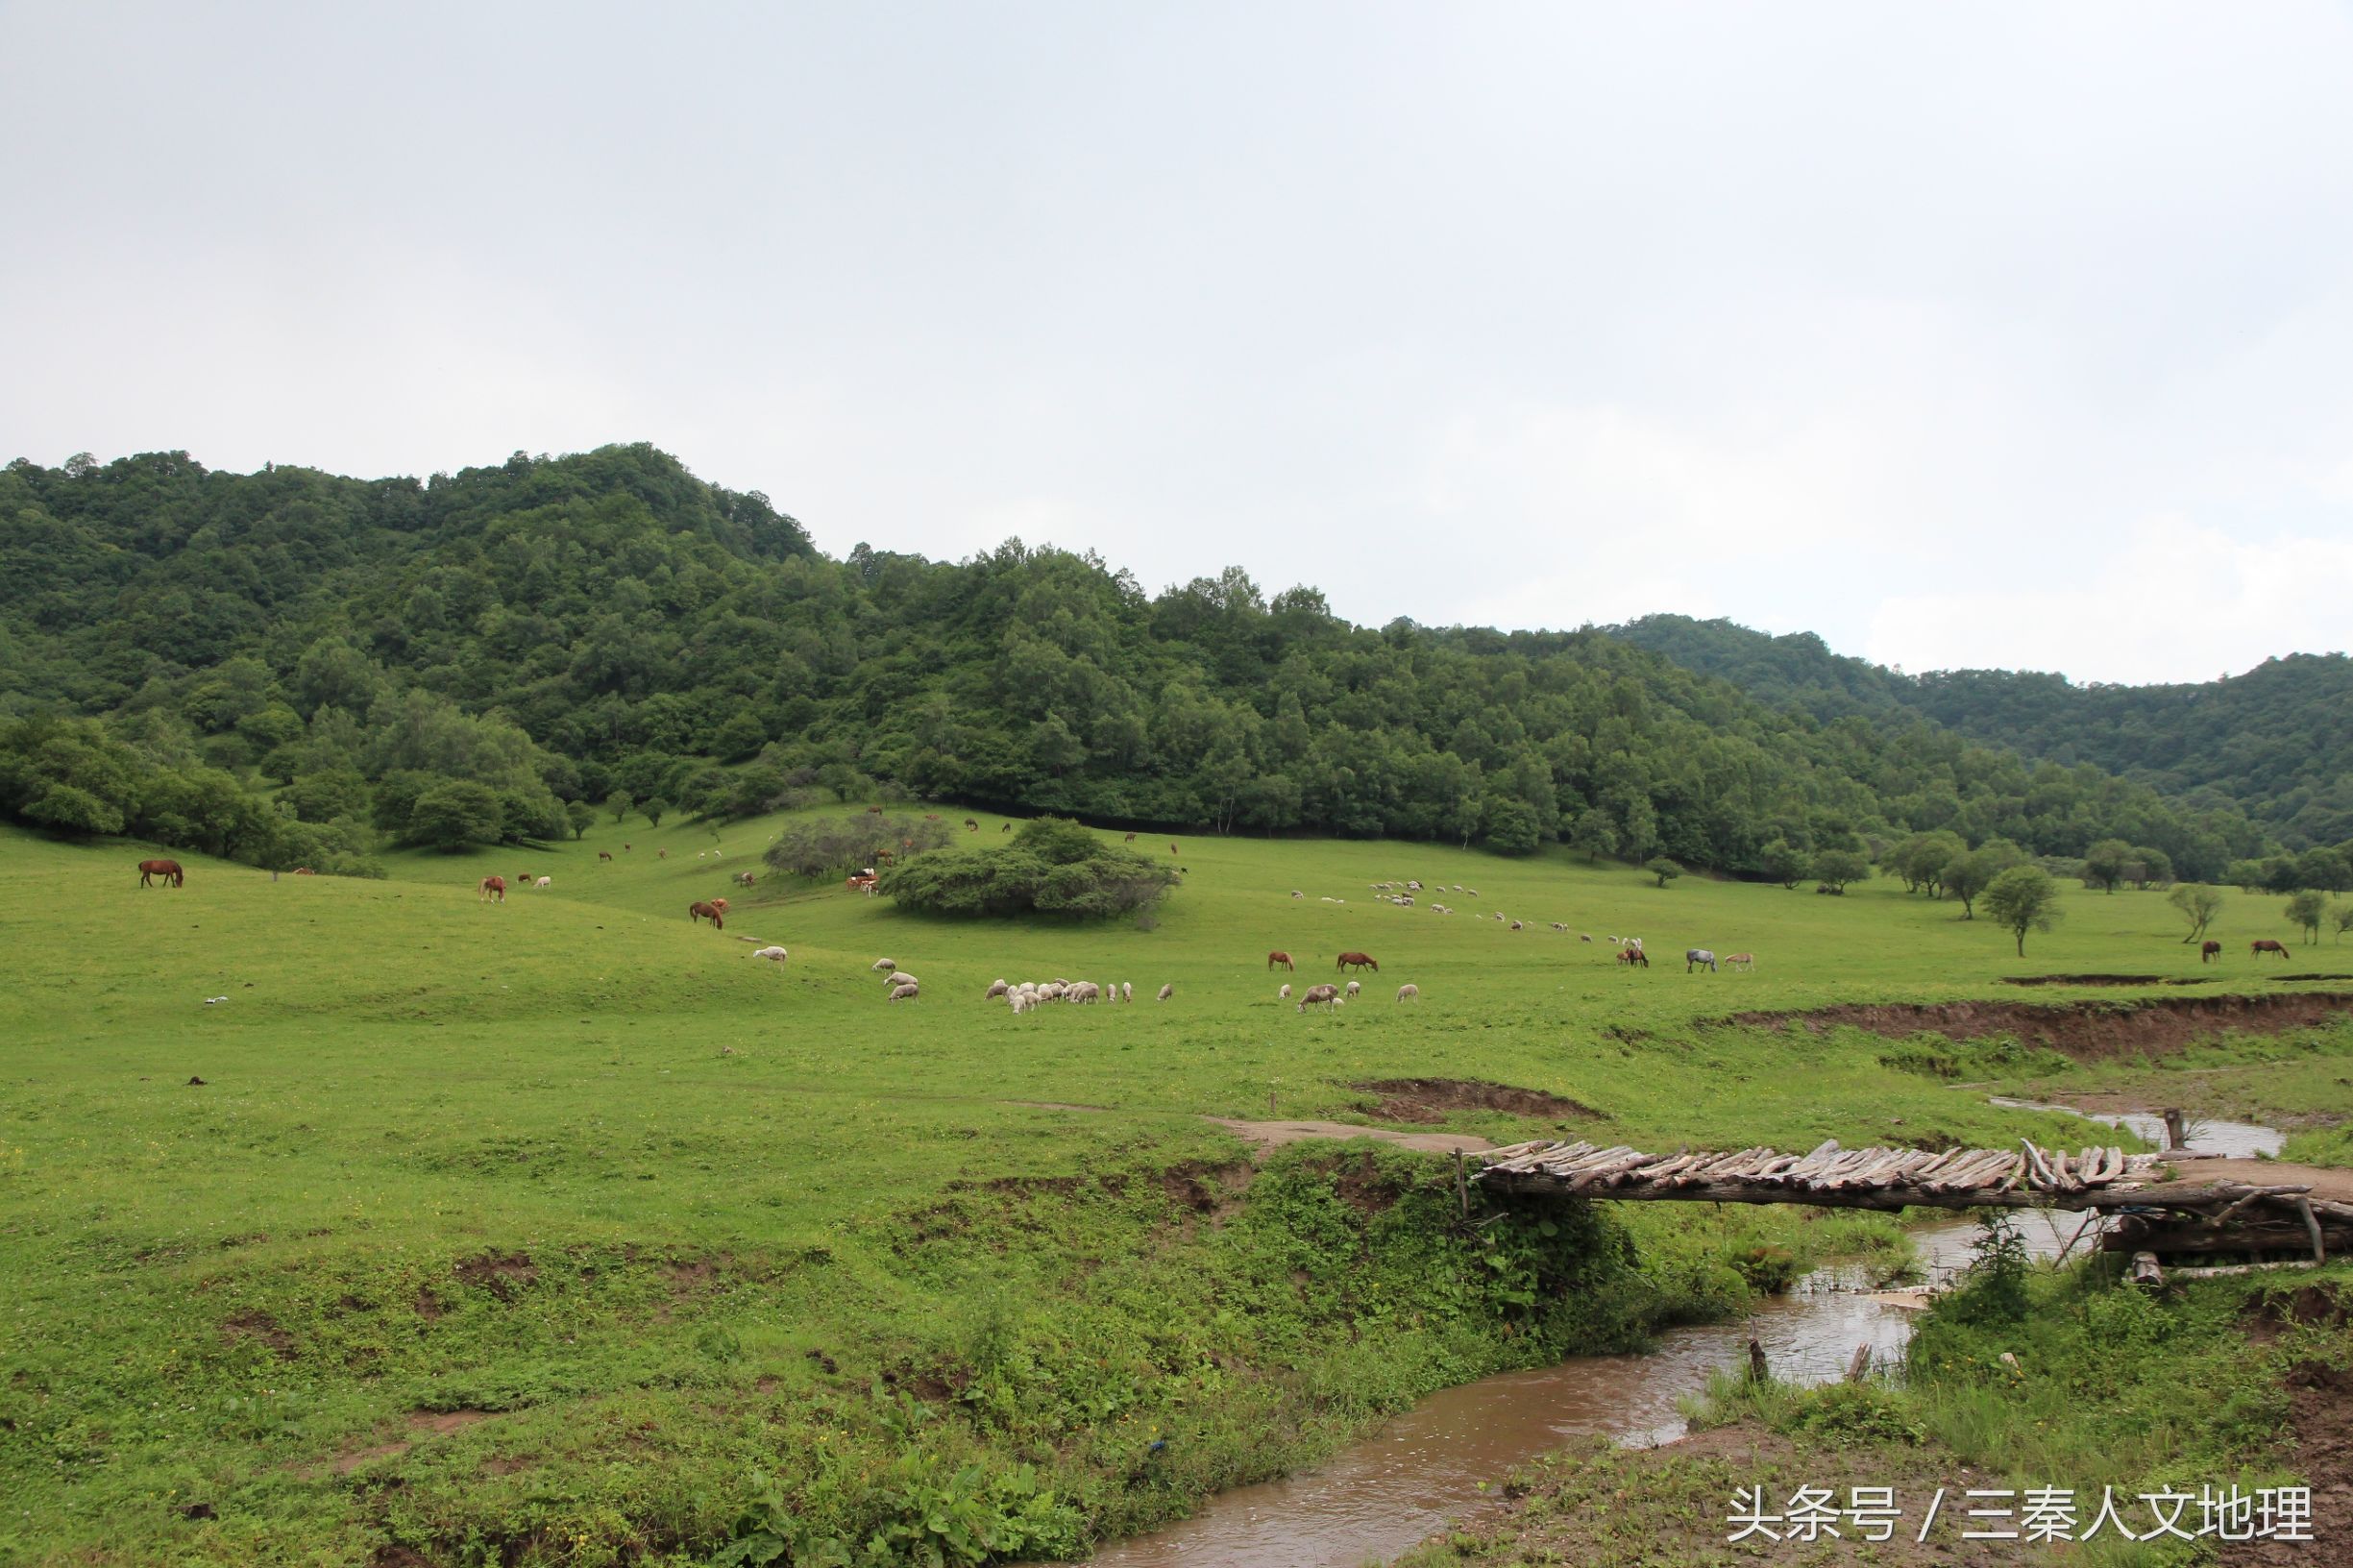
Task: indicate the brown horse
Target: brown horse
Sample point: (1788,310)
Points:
(604,854)
(492,889)
(168,870)
(626,847)
(2265,944)
(2208,951)
(1172,849)
(1131,838)
(707,911)
(1634,955)
(304,871)
(1358,961)
(1284,959)
(720,904)
(873,811)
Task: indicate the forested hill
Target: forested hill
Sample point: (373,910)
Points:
(2277,741)
(286,665)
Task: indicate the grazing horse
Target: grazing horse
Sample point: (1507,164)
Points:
(1693,957)
(1634,955)
(873,811)
(1740,961)
(1131,838)
(2266,945)
(1005,827)
(492,889)
(743,879)
(604,854)
(708,912)
(304,871)
(1358,961)
(720,904)
(1284,959)
(971,826)
(1172,849)
(2209,950)
(168,870)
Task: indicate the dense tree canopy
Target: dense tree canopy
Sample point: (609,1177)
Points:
(2276,742)
(607,628)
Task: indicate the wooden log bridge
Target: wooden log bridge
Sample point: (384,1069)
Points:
(2165,1214)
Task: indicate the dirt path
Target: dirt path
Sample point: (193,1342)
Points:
(1263,1136)
(2325,1181)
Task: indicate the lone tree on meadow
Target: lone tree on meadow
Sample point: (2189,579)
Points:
(2308,909)
(2198,905)
(1664,869)
(2022,899)
(1834,869)
(619,805)
(1968,877)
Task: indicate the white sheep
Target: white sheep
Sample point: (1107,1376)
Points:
(901,993)
(1127,991)
(1167,992)
(775,954)
(1284,995)
(996,990)
(1355,985)
(1408,992)
(902,978)
(545,882)
(1296,894)
(882,966)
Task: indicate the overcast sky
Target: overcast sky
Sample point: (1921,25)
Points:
(2013,336)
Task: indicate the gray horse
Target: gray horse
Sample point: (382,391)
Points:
(1694,956)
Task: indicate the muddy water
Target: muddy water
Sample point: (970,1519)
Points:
(2240,1140)
(1424,1469)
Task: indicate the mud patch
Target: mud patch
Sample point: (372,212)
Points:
(1206,1191)
(440,1423)
(2087,1031)
(2083,980)
(429,1305)
(1429,1099)
(1263,1136)
(2320,1416)
(498,1273)
(260,1326)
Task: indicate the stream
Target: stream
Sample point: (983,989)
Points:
(1423,1470)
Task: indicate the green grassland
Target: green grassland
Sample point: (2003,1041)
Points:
(565,1232)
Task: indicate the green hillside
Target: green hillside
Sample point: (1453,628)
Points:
(565,1231)
(2276,742)
(289,667)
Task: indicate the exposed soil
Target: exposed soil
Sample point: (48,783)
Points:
(1274,1135)
(442,1422)
(2083,980)
(261,1326)
(2325,1181)
(499,1273)
(2320,1416)
(1429,1099)
(2084,1030)
(1211,1190)
(2305,1306)
(429,1305)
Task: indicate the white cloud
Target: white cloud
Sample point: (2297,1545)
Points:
(2180,603)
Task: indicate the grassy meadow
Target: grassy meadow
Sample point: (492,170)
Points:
(565,1232)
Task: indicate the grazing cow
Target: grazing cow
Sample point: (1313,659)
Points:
(1408,993)
(774,954)
(1358,961)
(604,854)
(492,889)
(168,870)
(545,882)
(2266,945)
(1327,996)
(1167,992)
(1355,985)
(743,879)
(1634,955)
(708,912)
(2208,951)
(1740,961)
(860,884)
(1696,956)
(1284,959)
